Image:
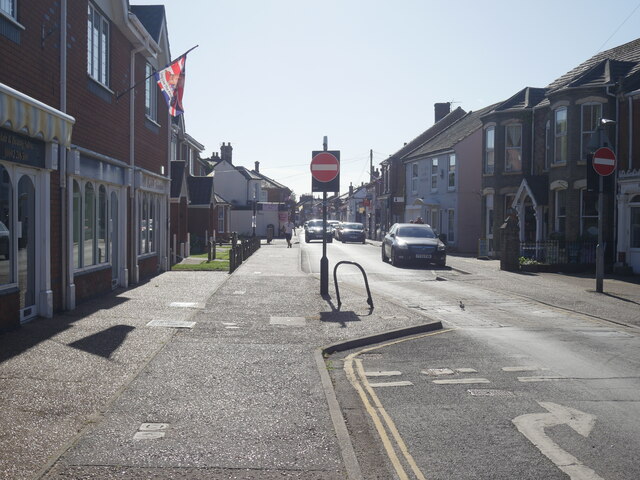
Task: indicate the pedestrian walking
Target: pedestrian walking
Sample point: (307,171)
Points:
(289,229)
(419,220)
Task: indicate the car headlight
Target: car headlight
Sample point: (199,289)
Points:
(441,247)
(402,244)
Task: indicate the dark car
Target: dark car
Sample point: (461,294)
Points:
(351,232)
(413,243)
(313,231)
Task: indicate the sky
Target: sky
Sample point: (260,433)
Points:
(274,77)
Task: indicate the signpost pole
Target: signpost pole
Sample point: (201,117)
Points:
(324,261)
(600,246)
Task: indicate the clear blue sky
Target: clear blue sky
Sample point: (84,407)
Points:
(274,76)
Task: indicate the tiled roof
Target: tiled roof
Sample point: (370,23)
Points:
(436,128)
(596,71)
(526,98)
(451,136)
(219,199)
(152,17)
(248,174)
(177,174)
(200,190)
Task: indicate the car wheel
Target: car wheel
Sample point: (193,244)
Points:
(306,239)
(394,261)
(441,263)
(384,257)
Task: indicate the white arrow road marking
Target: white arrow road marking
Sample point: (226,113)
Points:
(532,426)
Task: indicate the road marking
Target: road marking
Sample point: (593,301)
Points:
(171,324)
(288,321)
(364,390)
(454,381)
(401,383)
(380,373)
(548,378)
(437,371)
(532,426)
(523,369)
(466,370)
(186,305)
(239,292)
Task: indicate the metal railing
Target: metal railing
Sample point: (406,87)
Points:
(560,252)
(241,250)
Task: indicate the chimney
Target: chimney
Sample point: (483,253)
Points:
(225,152)
(350,189)
(257,167)
(442,110)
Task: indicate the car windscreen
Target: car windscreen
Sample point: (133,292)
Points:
(353,226)
(315,223)
(415,232)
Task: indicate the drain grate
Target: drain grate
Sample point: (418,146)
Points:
(490,392)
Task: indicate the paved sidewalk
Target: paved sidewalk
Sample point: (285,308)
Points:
(235,389)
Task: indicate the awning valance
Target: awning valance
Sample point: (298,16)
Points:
(23,114)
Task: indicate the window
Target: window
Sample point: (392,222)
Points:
(490,134)
(434,174)
(414,178)
(591,116)
(102,224)
(148,221)
(451,226)
(220,219)
(6,227)
(77,225)
(513,148)
(452,172)
(97,46)
(561,211)
(588,214)
(547,144)
(560,145)
(8,7)
(634,222)
(89,230)
(150,94)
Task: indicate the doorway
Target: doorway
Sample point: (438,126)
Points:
(26,234)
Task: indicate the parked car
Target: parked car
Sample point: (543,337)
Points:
(413,243)
(313,231)
(4,240)
(351,232)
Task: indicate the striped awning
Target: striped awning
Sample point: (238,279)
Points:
(23,114)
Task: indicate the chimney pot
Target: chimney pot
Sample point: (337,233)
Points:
(257,167)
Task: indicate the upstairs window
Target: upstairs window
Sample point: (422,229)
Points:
(8,7)
(434,174)
(560,151)
(452,172)
(547,144)
(489,135)
(150,94)
(414,178)
(513,148)
(97,46)
(561,211)
(591,116)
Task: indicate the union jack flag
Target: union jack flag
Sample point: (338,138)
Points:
(171,83)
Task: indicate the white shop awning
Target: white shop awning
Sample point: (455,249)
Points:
(23,114)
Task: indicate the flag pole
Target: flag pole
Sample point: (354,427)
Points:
(118,95)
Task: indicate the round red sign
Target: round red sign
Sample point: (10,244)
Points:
(325,167)
(604,161)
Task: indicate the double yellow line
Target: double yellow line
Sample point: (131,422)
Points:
(381,419)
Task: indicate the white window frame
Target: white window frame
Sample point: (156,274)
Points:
(434,174)
(547,144)
(451,223)
(93,256)
(98,37)
(561,138)
(451,178)
(150,93)
(558,215)
(9,8)
(7,192)
(414,178)
(515,148)
(148,217)
(583,213)
(489,151)
(221,219)
(588,130)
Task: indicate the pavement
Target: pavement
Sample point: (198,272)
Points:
(190,375)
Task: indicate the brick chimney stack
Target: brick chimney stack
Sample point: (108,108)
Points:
(257,169)
(226,152)
(442,110)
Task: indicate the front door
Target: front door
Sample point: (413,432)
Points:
(27,248)
(114,235)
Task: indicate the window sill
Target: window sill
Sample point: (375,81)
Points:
(558,165)
(152,120)
(100,84)
(90,269)
(15,23)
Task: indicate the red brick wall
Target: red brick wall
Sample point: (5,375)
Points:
(92,284)
(148,267)
(9,310)
(201,220)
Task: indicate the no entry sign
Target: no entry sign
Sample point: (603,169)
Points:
(604,161)
(325,171)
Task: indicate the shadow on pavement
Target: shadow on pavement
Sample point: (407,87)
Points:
(105,342)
